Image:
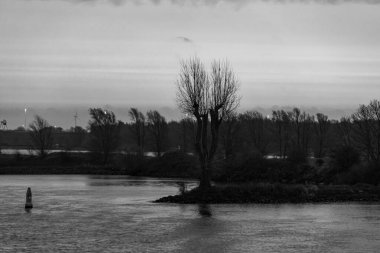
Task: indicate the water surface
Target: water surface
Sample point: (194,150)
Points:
(115,214)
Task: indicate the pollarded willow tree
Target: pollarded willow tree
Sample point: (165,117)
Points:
(209,98)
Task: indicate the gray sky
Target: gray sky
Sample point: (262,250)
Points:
(125,53)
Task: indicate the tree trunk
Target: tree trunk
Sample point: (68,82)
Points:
(105,157)
(204,182)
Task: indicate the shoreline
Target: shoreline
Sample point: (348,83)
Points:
(62,170)
(88,169)
(266,193)
(170,165)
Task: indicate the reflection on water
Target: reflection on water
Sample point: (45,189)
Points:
(204,210)
(115,214)
(109,180)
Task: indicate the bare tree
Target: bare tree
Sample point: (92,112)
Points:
(104,130)
(138,128)
(306,131)
(367,128)
(281,120)
(301,124)
(321,129)
(186,133)
(256,124)
(229,132)
(42,135)
(345,128)
(209,98)
(296,120)
(158,127)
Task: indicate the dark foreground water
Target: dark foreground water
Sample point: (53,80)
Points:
(113,214)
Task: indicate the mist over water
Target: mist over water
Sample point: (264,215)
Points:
(100,214)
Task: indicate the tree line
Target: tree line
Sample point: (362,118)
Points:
(213,129)
(292,134)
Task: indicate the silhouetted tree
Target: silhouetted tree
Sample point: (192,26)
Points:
(345,128)
(158,127)
(42,135)
(296,120)
(306,131)
(281,120)
(229,131)
(321,129)
(367,128)
(186,133)
(209,98)
(301,124)
(104,131)
(78,135)
(138,128)
(257,128)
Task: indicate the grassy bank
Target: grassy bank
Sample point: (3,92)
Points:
(55,163)
(277,193)
(170,165)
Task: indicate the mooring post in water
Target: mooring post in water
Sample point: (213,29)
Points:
(28,203)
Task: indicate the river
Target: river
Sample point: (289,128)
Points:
(116,214)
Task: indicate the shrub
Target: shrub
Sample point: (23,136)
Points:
(252,168)
(171,164)
(344,157)
(297,156)
(359,173)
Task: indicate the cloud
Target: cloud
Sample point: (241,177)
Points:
(184,39)
(216,2)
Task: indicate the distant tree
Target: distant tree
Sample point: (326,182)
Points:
(229,132)
(158,127)
(104,131)
(306,131)
(20,128)
(209,98)
(41,134)
(282,121)
(296,120)
(186,133)
(58,129)
(77,129)
(367,128)
(301,124)
(78,135)
(257,128)
(138,128)
(346,131)
(321,128)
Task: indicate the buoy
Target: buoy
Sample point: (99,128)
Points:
(28,203)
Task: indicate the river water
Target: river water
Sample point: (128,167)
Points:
(115,214)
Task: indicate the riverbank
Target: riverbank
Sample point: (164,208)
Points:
(170,165)
(266,193)
(63,170)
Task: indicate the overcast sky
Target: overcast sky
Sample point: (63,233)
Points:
(115,52)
